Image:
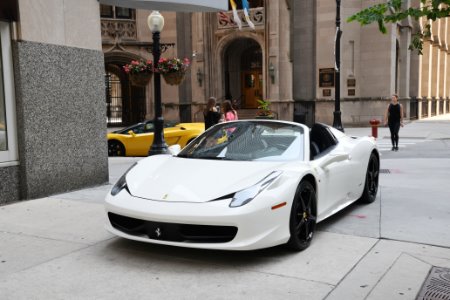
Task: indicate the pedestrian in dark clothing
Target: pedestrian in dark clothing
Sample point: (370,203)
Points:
(394,118)
(211,115)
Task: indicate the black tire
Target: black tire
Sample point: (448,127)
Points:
(116,148)
(302,222)
(371,183)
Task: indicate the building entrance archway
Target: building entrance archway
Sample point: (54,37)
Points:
(243,68)
(125,103)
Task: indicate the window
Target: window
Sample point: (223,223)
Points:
(124,13)
(3,140)
(115,12)
(8,140)
(106,11)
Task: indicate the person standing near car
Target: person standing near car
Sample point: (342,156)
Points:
(394,118)
(229,114)
(211,115)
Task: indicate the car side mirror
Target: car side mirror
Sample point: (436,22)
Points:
(174,149)
(131,132)
(332,158)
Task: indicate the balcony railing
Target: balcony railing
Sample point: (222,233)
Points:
(122,29)
(226,20)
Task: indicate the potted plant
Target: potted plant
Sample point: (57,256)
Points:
(140,72)
(264,111)
(173,69)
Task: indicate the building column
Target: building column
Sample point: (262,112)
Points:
(405,67)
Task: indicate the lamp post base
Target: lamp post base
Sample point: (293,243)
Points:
(159,145)
(158,149)
(337,123)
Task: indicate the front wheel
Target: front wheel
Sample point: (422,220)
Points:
(116,148)
(303,217)
(371,183)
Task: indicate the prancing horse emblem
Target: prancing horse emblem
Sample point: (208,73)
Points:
(158,232)
(165,196)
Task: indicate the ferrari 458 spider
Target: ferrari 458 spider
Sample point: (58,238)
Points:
(137,139)
(244,185)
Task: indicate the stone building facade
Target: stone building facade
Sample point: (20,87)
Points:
(52,100)
(288,58)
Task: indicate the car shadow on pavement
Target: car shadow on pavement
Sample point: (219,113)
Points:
(357,219)
(163,252)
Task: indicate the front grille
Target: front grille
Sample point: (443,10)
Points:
(173,232)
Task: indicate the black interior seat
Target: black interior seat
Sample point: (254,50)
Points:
(320,139)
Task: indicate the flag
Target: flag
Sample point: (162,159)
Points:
(246,7)
(237,20)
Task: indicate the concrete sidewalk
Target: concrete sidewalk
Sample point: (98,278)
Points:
(56,247)
(430,128)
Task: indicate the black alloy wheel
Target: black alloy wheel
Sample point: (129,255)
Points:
(303,218)
(115,148)
(371,184)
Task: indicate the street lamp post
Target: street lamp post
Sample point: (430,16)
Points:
(337,123)
(156,23)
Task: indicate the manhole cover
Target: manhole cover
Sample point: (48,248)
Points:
(436,286)
(385,171)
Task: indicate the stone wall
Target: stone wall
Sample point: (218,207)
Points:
(61,118)
(9,184)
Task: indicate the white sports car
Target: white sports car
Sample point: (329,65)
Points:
(244,185)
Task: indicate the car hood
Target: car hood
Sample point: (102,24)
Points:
(173,179)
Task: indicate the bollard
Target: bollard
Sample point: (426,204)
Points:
(374,123)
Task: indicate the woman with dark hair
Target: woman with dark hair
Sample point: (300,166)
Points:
(229,114)
(394,118)
(211,115)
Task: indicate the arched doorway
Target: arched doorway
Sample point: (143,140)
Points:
(125,103)
(243,67)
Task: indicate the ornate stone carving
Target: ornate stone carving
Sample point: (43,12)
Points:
(225,20)
(118,29)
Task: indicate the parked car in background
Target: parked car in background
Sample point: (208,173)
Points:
(136,140)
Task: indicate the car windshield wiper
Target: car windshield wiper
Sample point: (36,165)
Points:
(212,157)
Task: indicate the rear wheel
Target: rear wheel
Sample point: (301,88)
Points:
(303,218)
(371,184)
(116,148)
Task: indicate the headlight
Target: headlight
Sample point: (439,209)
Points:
(245,196)
(122,182)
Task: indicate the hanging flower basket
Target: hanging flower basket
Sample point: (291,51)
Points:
(140,79)
(174,78)
(140,71)
(173,69)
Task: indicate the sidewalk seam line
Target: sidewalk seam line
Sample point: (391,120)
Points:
(353,268)
(384,274)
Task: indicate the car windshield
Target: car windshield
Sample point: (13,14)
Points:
(249,141)
(146,127)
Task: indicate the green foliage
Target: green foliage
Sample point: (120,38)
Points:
(264,108)
(393,11)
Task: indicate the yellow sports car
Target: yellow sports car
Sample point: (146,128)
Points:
(137,139)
